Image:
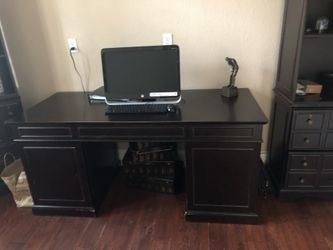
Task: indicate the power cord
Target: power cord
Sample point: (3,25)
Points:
(76,70)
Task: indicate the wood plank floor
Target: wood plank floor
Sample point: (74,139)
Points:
(131,219)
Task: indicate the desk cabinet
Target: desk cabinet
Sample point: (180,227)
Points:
(221,180)
(10,105)
(58,177)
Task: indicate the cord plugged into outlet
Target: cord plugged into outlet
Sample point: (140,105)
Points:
(72,45)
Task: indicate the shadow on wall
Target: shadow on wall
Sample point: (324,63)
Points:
(25,34)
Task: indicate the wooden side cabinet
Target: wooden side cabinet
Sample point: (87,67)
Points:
(222,181)
(10,105)
(57,177)
(301,137)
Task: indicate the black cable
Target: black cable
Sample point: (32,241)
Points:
(76,70)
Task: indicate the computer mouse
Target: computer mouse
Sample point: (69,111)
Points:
(171,108)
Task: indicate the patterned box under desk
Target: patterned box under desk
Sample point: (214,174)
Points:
(154,168)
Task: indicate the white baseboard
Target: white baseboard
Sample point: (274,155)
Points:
(263,156)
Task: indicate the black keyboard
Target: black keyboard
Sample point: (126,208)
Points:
(140,109)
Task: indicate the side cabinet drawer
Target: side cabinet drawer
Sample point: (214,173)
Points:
(306,140)
(307,120)
(301,180)
(310,170)
(303,162)
(327,162)
(326,180)
(10,111)
(329,140)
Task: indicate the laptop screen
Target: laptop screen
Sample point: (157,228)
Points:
(140,73)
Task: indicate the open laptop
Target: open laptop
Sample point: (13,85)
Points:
(135,76)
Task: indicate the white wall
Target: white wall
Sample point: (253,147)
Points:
(206,30)
(31,60)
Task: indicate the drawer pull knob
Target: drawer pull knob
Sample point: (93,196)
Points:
(10,113)
(305,163)
(306,140)
(309,121)
(301,180)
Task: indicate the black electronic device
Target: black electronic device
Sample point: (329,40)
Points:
(141,74)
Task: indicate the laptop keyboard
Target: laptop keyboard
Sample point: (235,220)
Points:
(140,109)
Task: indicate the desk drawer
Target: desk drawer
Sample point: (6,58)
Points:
(244,133)
(44,132)
(131,132)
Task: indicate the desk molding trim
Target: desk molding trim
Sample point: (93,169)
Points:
(133,132)
(45,132)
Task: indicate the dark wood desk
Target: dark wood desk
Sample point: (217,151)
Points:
(64,140)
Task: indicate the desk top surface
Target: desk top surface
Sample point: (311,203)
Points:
(198,106)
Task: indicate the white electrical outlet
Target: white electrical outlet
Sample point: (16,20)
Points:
(167,39)
(72,44)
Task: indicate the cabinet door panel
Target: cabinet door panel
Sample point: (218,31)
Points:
(56,175)
(222,176)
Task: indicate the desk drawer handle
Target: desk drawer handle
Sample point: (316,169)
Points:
(309,121)
(301,180)
(305,163)
(307,140)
